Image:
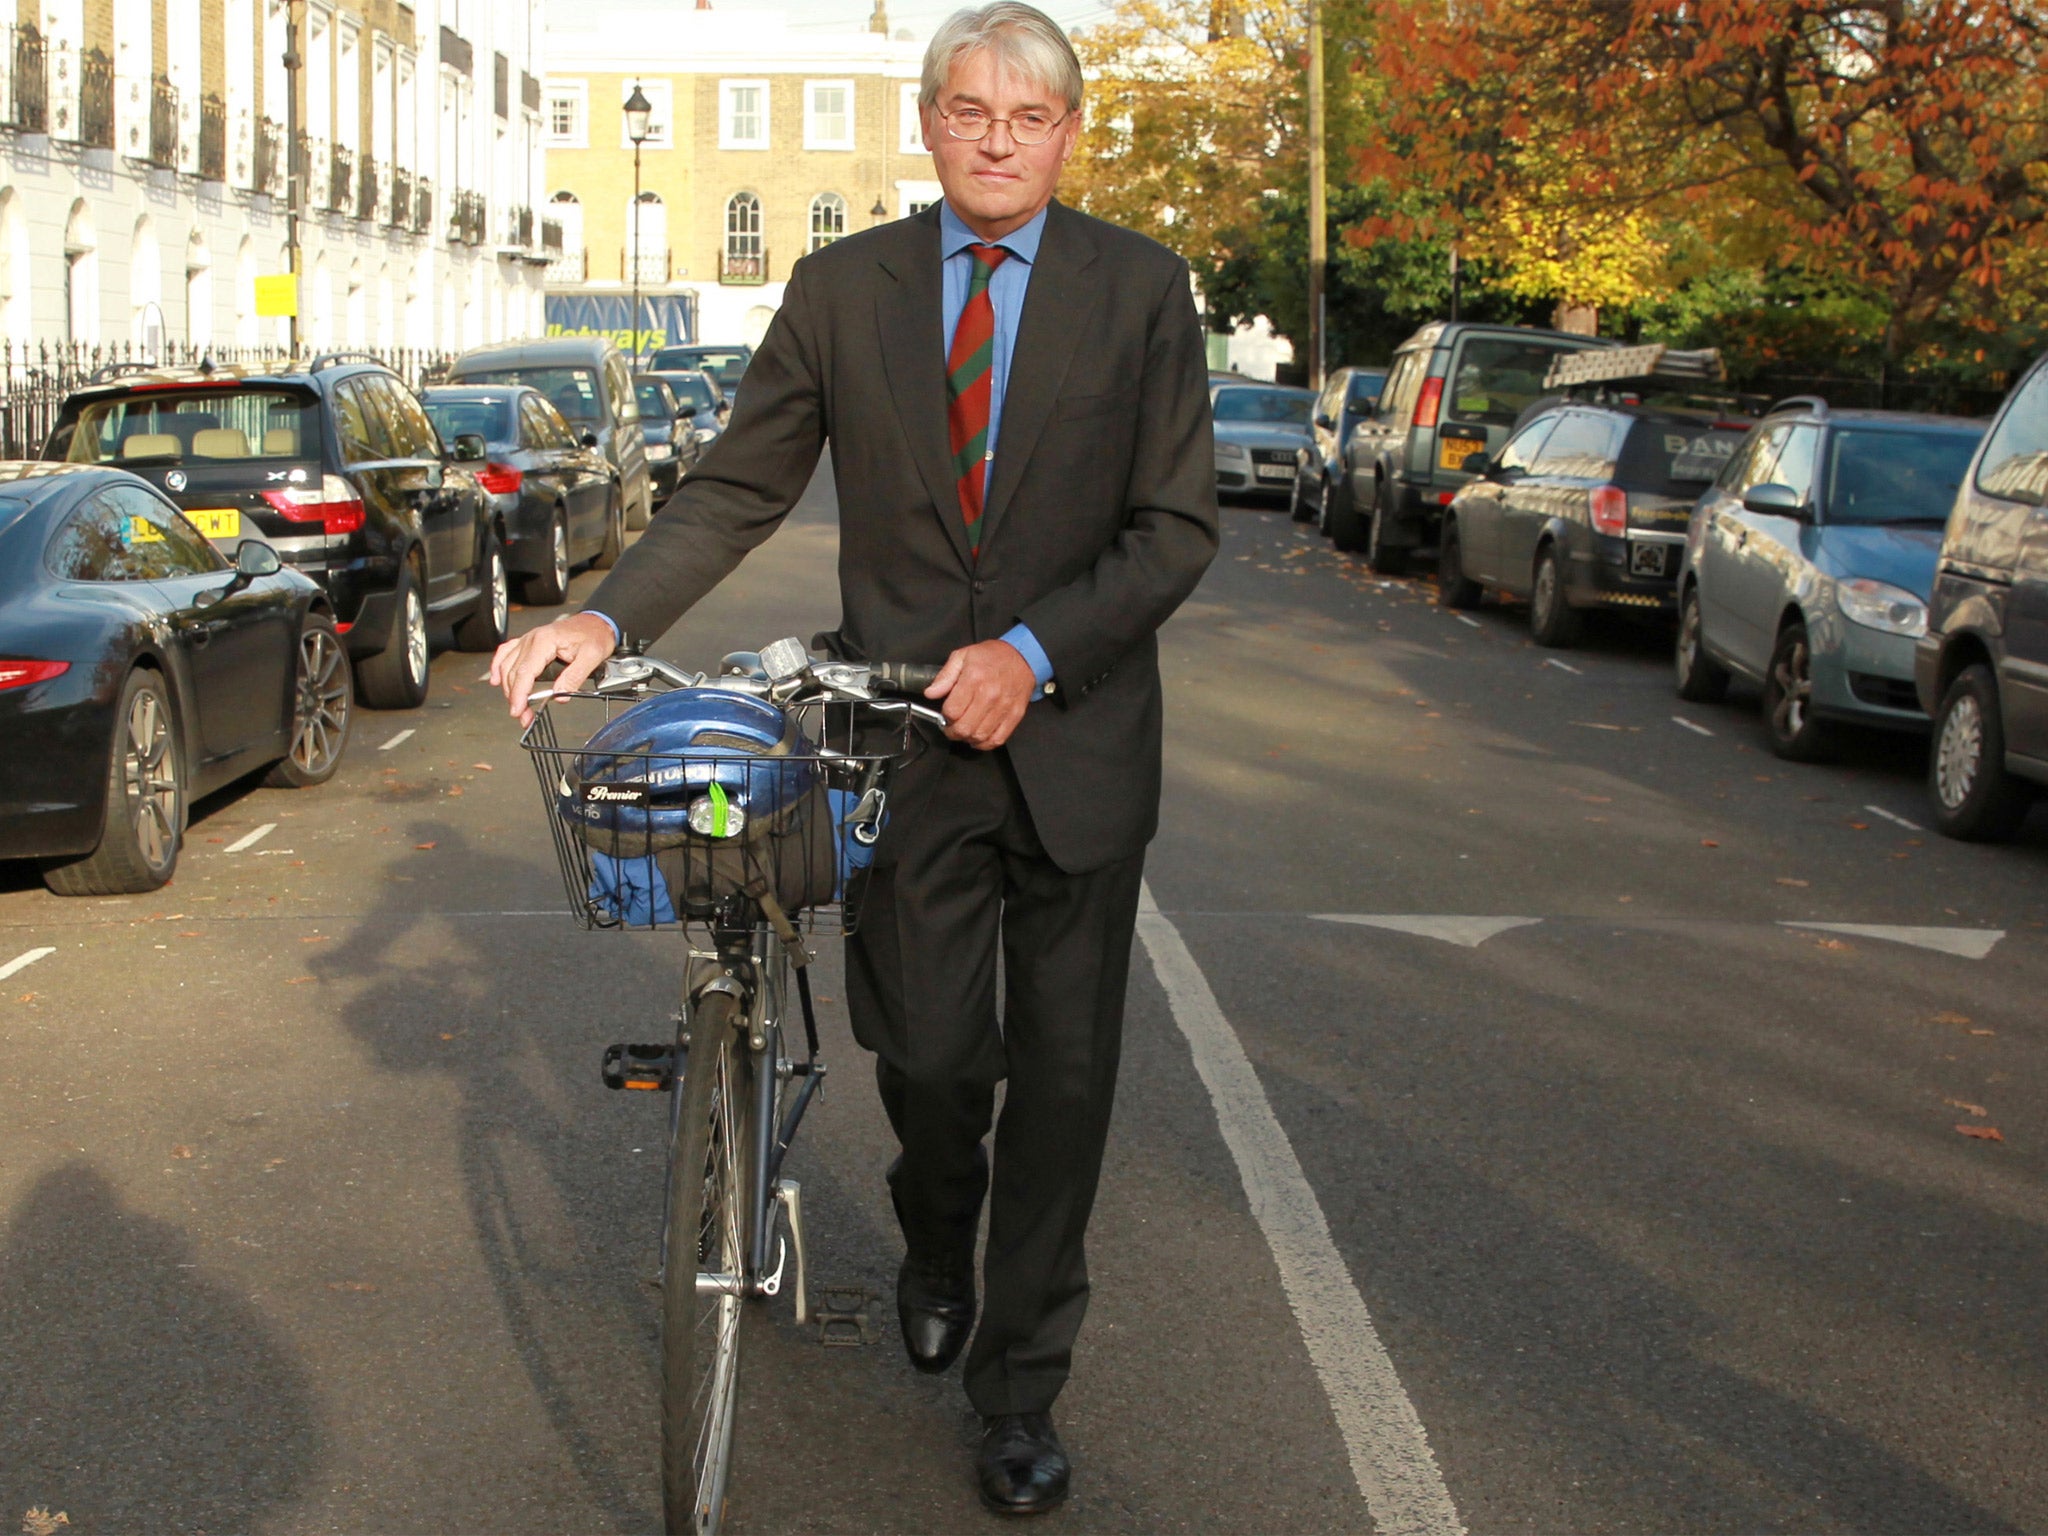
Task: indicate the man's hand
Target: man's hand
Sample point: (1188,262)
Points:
(582,642)
(986,688)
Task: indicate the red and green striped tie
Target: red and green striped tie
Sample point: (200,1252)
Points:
(969,368)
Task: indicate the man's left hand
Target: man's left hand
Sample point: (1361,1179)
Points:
(986,688)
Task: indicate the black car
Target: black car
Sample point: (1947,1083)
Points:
(725,364)
(140,670)
(1585,507)
(1349,396)
(697,391)
(1981,668)
(556,497)
(665,424)
(335,466)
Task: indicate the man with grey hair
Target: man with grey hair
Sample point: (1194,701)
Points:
(1015,398)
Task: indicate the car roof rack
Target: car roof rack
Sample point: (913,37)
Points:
(1813,403)
(1617,365)
(353,354)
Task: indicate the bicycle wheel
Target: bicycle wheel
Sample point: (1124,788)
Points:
(707,1235)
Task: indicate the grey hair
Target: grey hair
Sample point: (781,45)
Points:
(1024,40)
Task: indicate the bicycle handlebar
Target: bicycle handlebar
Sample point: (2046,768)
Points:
(797,679)
(904,678)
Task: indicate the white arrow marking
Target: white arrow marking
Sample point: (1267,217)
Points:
(1470,932)
(396,740)
(1681,720)
(1970,943)
(23,962)
(251,839)
(1552,661)
(1910,826)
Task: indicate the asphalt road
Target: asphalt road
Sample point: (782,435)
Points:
(1494,1148)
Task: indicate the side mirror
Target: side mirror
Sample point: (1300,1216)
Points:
(588,439)
(1477,464)
(1774,501)
(254,558)
(686,413)
(469,447)
(1323,420)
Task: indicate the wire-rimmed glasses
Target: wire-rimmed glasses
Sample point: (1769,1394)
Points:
(1029,128)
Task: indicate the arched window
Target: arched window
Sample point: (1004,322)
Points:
(567,212)
(81,277)
(743,261)
(146,288)
(198,290)
(828,219)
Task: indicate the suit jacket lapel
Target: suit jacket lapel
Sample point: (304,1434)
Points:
(1056,311)
(907,312)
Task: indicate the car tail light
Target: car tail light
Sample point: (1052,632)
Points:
(500,479)
(1428,402)
(1610,510)
(335,506)
(21,674)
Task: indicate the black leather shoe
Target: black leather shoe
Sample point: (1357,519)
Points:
(935,1305)
(1022,1465)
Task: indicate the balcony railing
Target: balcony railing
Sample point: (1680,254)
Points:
(519,228)
(163,124)
(95,100)
(366,189)
(341,180)
(398,211)
(569,267)
(467,219)
(739,270)
(213,139)
(268,161)
(27,101)
(422,206)
(551,237)
(652,267)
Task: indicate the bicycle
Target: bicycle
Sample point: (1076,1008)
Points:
(749,902)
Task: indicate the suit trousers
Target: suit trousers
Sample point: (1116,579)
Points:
(967,881)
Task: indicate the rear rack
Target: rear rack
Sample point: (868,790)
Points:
(353,354)
(1616,365)
(1813,403)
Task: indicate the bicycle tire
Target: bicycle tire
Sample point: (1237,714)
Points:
(707,1230)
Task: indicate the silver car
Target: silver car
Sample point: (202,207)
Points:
(1260,432)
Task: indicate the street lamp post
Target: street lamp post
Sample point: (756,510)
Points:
(293,175)
(638,108)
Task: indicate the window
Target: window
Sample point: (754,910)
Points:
(490,418)
(743,227)
(412,435)
(2015,463)
(190,426)
(1498,377)
(1404,385)
(909,128)
(661,99)
(566,115)
(1521,449)
(828,114)
(743,114)
(1752,462)
(572,391)
(1795,464)
(362,431)
(913,197)
(1877,476)
(828,219)
(125,533)
(1584,447)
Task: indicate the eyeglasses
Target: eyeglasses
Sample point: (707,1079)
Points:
(973,124)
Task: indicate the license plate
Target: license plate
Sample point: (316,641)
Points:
(217,522)
(1451,451)
(1646,559)
(1274,471)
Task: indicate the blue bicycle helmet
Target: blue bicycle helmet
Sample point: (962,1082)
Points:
(698,762)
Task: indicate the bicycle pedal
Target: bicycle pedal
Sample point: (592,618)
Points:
(842,1313)
(650,1068)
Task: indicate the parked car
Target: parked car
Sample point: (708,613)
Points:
(727,364)
(665,425)
(1981,668)
(1260,429)
(1349,396)
(335,466)
(586,379)
(140,670)
(697,390)
(1585,508)
(1456,388)
(554,495)
(1809,563)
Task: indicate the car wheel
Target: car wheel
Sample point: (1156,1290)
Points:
(1701,679)
(1341,520)
(614,534)
(486,626)
(641,512)
(549,587)
(1454,589)
(1552,618)
(396,677)
(1796,733)
(1974,797)
(323,702)
(145,801)
(1381,559)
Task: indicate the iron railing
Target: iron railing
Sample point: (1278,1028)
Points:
(95,100)
(269,157)
(213,139)
(743,270)
(519,228)
(468,220)
(551,237)
(341,179)
(422,206)
(28,91)
(366,189)
(163,124)
(399,209)
(569,267)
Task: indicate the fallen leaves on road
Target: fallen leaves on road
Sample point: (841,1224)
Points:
(1983,1031)
(1830,944)
(454,789)
(1981,1132)
(26,997)
(314,938)
(190,933)
(181,1152)
(298,981)
(350,1285)
(1946,1017)
(1967,1107)
(485,767)
(1708,842)
(1788,880)
(426,847)
(40,1522)
(1859,826)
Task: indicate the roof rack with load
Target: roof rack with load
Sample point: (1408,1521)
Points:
(1615,365)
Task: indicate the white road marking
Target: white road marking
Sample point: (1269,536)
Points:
(251,839)
(1465,618)
(1562,666)
(1910,826)
(1690,726)
(1970,943)
(23,961)
(1469,932)
(1389,1450)
(394,741)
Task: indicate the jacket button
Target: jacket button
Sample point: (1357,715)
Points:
(980,585)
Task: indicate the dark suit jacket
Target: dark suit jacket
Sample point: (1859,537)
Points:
(1101,503)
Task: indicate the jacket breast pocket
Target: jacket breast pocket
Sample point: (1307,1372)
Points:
(1118,402)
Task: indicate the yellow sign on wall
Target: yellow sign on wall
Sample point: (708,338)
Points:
(277,295)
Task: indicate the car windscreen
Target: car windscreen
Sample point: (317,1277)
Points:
(1365,388)
(689,390)
(724,364)
(1278,407)
(573,391)
(1677,458)
(653,403)
(1499,377)
(489,419)
(1895,477)
(193,426)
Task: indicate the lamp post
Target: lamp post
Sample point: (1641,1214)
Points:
(879,212)
(638,109)
(293,173)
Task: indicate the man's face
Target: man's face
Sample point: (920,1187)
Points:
(994,183)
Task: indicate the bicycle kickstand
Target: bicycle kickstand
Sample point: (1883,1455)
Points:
(790,1196)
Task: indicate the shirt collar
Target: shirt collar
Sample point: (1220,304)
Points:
(955,237)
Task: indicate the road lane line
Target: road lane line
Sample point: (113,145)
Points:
(1562,666)
(1389,1450)
(1690,725)
(1910,826)
(1969,943)
(1468,932)
(23,961)
(251,839)
(1468,619)
(396,740)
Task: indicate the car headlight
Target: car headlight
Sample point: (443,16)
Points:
(1881,606)
(657,450)
(1231,451)
(704,434)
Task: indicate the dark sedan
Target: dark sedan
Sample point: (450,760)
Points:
(671,447)
(139,670)
(557,494)
(699,393)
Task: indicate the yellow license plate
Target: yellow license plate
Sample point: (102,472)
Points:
(1451,451)
(217,523)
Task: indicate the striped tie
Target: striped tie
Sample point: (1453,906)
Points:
(969,368)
